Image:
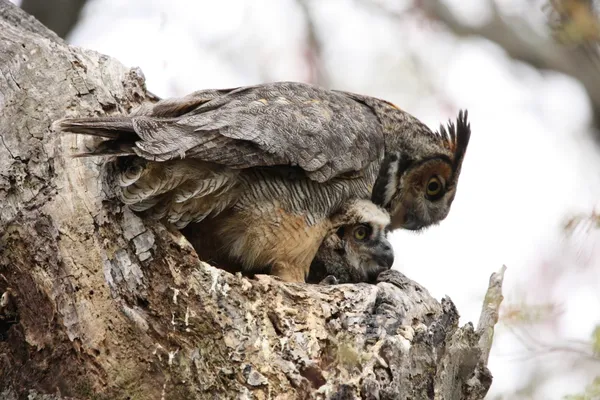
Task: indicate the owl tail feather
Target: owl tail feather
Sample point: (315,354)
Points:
(118,129)
(109,148)
(106,127)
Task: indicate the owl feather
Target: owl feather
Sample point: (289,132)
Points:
(265,167)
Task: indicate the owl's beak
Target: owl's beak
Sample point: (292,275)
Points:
(412,224)
(405,219)
(384,254)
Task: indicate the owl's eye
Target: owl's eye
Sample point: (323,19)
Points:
(361,232)
(434,188)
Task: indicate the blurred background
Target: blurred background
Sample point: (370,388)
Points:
(528,71)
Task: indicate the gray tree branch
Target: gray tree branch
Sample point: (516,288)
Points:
(98,303)
(490,313)
(314,47)
(60,16)
(523,43)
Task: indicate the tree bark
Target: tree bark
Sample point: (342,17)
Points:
(98,303)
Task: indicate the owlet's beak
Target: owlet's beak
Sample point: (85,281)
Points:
(383,254)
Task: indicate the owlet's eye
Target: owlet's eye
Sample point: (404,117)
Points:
(361,233)
(434,188)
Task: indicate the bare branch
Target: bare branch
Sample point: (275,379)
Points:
(315,47)
(489,313)
(58,15)
(523,43)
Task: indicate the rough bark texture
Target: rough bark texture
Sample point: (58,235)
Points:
(98,303)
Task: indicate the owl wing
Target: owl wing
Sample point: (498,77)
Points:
(326,133)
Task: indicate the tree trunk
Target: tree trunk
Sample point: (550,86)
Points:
(98,303)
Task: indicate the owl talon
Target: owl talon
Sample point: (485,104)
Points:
(394,277)
(329,280)
(374,277)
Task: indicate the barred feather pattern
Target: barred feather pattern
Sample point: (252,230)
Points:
(280,155)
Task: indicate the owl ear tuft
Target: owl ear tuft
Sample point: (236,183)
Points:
(457,136)
(463,134)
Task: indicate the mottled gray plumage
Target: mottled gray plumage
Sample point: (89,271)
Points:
(267,166)
(256,126)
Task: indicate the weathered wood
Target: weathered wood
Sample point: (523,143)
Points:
(101,304)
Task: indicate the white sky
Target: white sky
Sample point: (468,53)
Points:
(530,163)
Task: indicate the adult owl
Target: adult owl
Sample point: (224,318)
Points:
(264,168)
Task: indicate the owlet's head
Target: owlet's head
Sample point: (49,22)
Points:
(356,250)
(417,186)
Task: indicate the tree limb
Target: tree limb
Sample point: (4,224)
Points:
(523,43)
(490,312)
(60,16)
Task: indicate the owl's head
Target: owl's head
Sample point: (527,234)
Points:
(359,242)
(417,186)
